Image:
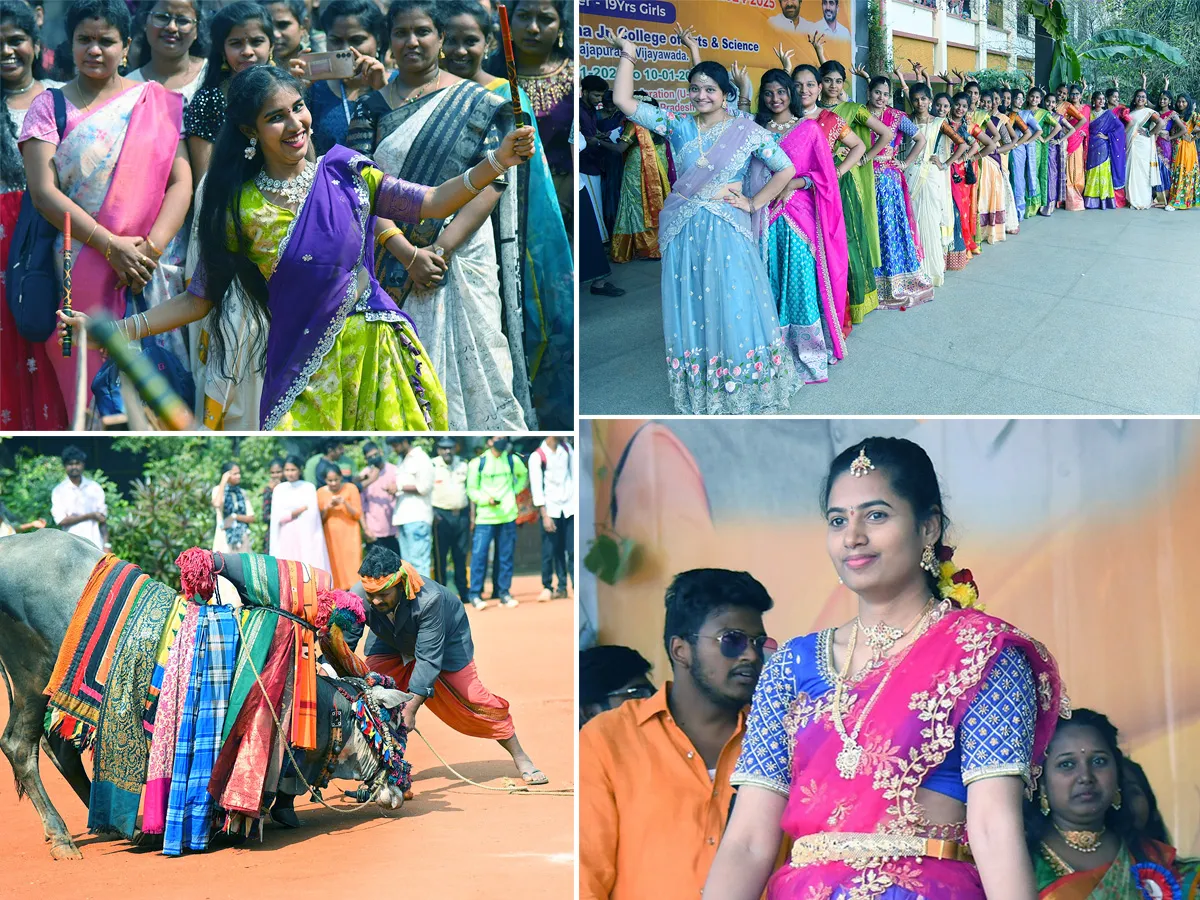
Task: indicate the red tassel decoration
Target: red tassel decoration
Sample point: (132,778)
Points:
(196,573)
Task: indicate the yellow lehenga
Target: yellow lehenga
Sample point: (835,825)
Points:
(365,381)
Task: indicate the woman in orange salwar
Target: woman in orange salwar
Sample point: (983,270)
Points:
(341,514)
(1079,115)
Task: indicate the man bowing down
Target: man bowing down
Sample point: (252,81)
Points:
(420,636)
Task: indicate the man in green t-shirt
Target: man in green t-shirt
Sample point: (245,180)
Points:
(493,482)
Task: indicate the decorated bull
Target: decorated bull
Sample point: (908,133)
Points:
(353,725)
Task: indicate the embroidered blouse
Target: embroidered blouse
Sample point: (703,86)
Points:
(995,736)
(204,116)
(688,144)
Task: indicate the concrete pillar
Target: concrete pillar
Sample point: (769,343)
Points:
(979,14)
(941,61)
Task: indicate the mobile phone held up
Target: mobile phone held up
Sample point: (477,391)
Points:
(329,66)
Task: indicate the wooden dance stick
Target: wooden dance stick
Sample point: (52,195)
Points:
(66,283)
(151,385)
(81,378)
(510,62)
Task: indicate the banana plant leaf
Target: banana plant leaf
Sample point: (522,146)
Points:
(1115,43)
(1051,17)
(1065,67)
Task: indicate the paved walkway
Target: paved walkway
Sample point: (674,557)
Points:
(1081,313)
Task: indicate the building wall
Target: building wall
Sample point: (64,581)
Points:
(917,49)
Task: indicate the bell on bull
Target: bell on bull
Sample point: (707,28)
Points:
(42,577)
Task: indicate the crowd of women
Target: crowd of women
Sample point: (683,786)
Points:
(781,232)
(415,237)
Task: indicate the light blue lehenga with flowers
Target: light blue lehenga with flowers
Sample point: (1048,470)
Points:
(725,351)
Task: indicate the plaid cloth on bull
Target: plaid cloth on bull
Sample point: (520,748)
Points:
(189,808)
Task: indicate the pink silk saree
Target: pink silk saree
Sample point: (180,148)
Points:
(908,733)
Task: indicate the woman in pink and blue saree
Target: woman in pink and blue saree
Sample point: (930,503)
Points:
(876,746)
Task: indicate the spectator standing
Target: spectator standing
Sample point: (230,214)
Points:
(414,504)
(296,531)
(493,482)
(552,484)
(274,476)
(341,519)
(451,514)
(233,512)
(77,503)
(378,484)
(331,451)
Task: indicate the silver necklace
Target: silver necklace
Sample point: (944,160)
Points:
(294,190)
(783,126)
(702,160)
(16,92)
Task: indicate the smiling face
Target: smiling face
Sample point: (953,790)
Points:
(282,128)
(987,102)
(1181,104)
(810,89)
(1018,99)
(776,97)
(960,107)
(464,47)
(1035,99)
(881,95)
(1081,776)
(97,49)
(17,53)
(790,9)
(704,94)
(170,41)
(872,534)
(1075,95)
(1139,98)
(831,86)
(1164,102)
(247,45)
(829,11)
(535,29)
(275,473)
(415,42)
(289,35)
(1051,102)
(941,107)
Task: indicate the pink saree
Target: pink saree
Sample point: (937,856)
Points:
(114,163)
(908,733)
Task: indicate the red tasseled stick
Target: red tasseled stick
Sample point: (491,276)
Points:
(196,573)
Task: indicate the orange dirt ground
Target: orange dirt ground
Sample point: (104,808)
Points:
(452,840)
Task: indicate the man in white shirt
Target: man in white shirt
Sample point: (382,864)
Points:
(829,26)
(552,484)
(414,507)
(77,504)
(451,515)
(788,19)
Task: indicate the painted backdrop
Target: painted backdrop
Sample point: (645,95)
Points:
(747,31)
(1082,532)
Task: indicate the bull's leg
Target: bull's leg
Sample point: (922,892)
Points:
(20,744)
(70,763)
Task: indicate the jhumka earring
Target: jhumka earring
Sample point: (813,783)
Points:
(862,464)
(1117,799)
(929,560)
(252,149)
(560,38)
(1044,801)
(271,58)
(124,60)
(225,65)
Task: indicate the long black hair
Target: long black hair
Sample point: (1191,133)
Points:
(910,472)
(227,172)
(12,167)
(140,50)
(781,78)
(1119,821)
(1186,115)
(224,22)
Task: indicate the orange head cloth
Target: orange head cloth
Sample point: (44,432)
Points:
(410,580)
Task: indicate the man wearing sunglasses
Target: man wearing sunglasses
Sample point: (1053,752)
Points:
(655,793)
(610,675)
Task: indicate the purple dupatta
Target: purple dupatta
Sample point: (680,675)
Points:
(316,284)
(1106,140)
(699,183)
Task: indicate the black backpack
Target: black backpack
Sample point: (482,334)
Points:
(32,288)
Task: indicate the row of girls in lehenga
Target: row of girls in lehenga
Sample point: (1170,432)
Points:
(425,268)
(781,234)
(926,749)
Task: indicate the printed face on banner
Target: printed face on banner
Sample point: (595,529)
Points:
(744,31)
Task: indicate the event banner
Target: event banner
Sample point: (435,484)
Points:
(745,31)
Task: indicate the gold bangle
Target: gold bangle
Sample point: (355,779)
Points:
(414,259)
(92,233)
(154,249)
(387,235)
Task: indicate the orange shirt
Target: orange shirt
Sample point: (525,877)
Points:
(650,818)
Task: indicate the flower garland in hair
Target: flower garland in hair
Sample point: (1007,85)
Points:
(956,584)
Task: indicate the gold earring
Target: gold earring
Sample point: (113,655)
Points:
(1044,801)
(441,53)
(125,60)
(1117,799)
(929,560)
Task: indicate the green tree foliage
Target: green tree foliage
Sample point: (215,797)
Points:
(26,488)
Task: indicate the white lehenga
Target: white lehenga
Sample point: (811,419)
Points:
(460,322)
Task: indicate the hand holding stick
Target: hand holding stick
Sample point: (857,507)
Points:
(66,301)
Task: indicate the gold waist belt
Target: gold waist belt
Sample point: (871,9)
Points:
(850,847)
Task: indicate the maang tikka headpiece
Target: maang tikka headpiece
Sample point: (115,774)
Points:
(862,463)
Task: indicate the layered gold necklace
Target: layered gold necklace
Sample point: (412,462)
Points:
(880,638)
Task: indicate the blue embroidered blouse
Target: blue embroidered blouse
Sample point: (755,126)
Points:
(995,736)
